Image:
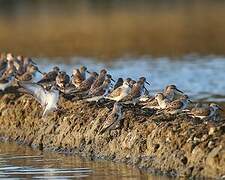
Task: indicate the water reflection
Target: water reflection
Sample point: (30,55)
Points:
(17,162)
(112,28)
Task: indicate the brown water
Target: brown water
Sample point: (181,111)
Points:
(112,28)
(19,162)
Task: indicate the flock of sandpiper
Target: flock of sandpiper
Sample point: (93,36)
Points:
(20,72)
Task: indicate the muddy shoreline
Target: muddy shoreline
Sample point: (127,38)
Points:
(172,145)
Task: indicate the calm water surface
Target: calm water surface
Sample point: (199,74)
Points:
(19,162)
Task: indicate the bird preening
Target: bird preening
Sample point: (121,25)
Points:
(95,87)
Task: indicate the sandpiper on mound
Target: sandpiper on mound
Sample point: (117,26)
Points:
(89,115)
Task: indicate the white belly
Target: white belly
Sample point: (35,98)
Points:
(51,101)
(4,86)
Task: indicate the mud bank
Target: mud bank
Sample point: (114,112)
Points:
(172,145)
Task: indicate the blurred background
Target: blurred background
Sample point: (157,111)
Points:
(168,41)
(112,28)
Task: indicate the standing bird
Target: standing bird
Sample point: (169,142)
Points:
(135,94)
(99,92)
(120,92)
(50,77)
(6,82)
(98,82)
(171,91)
(86,84)
(47,99)
(158,102)
(10,58)
(78,76)
(145,91)
(27,61)
(3,63)
(113,121)
(29,74)
(10,70)
(20,61)
(118,83)
(177,106)
(205,112)
(132,83)
(62,79)
(83,71)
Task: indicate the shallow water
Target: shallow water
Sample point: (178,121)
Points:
(19,162)
(202,78)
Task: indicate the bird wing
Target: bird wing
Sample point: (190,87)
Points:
(99,91)
(95,85)
(116,92)
(86,84)
(4,80)
(135,93)
(200,111)
(109,122)
(25,77)
(118,84)
(152,102)
(51,76)
(36,90)
(174,105)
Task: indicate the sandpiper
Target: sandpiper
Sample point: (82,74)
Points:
(99,92)
(62,79)
(78,76)
(20,68)
(29,74)
(135,94)
(158,102)
(100,79)
(10,70)
(132,83)
(118,83)
(120,92)
(86,84)
(145,92)
(50,77)
(10,57)
(108,76)
(6,82)
(113,121)
(2,56)
(3,65)
(83,70)
(177,106)
(205,112)
(27,61)
(171,91)
(143,79)
(47,99)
